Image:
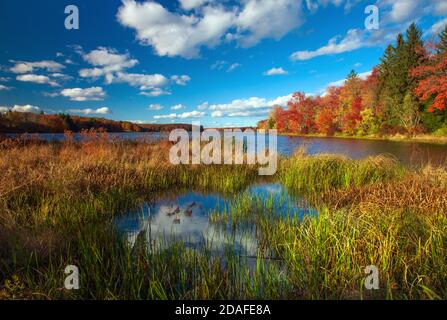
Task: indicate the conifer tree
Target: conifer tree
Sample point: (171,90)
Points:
(442,45)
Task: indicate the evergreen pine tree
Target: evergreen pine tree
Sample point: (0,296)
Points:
(442,45)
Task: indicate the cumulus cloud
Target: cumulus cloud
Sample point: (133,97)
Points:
(144,81)
(155,107)
(88,94)
(394,18)
(25,108)
(88,111)
(183,34)
(3,109)
(438,27)
(173,34)
(253,106)
(178,107)
(192,4)
(111,65)
(181,80)
(4,88)
(267,19)
(21,67)
(403,9)
(353,40)
(155,92)
(203,106)
(34,78)
(184,115)
(106,62)
(275,71)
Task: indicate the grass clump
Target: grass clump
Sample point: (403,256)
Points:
(319,173)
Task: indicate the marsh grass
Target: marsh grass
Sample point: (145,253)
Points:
(58,202)
(324,172)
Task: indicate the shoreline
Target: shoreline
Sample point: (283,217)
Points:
(431,139)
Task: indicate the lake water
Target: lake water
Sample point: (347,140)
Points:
(185,217)
(410,153)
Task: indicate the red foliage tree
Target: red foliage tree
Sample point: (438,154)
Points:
(352,119)
(433,81)
(301,113)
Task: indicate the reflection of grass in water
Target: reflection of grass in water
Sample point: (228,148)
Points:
(58,202)
(324,256)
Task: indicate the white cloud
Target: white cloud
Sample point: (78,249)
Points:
(103,110)
(440,7)
(166,116)
(4,79)
(353,40)
(276,71)
(142,121)
(181,34)
(27,67)
(267,19)
(233,67)
(184,115)
(106,61)
(155,92)
(25,108)
(253,106)
(174,34)
(217,114)
(403,9)
(4,88)
(192,4)
(3,109)
(178,107)
(144,81)
(37,79)
(181,80)
(438,27)
(88,94)
(107,57)
(203,106)
(192,114)
(155,107)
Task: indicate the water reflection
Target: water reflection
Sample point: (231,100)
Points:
(185,218)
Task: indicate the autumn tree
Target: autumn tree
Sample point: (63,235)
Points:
(432,79)
(326,117)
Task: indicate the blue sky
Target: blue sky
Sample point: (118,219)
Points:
(223,63)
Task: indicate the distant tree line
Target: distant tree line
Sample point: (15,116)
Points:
(406,93)
(26,122)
